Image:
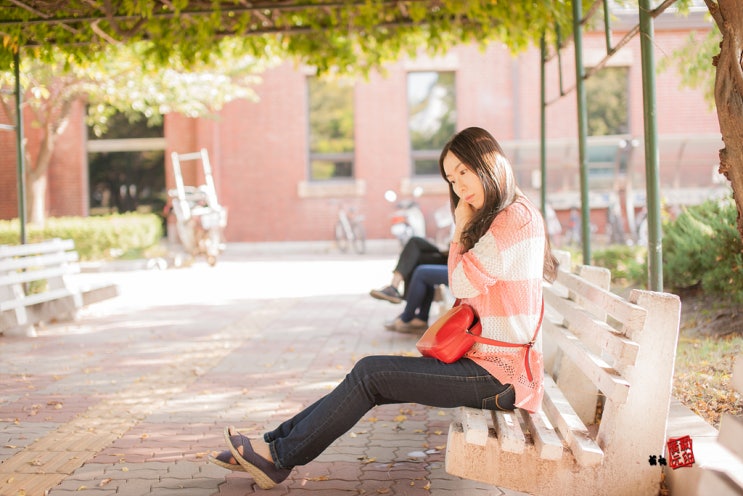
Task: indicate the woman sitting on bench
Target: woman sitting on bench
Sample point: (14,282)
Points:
(497,260)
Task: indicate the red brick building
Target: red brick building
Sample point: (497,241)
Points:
(260,152)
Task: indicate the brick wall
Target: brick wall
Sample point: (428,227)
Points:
(258,150)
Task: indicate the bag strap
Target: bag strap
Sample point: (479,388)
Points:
(528,346)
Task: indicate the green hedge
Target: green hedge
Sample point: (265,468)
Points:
(96,238)
(702,247)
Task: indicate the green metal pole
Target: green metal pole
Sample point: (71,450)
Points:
(543,127)
(20,166)
(655,251)
(582,132)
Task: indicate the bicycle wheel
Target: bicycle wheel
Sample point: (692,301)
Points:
(340,237)
(359,239)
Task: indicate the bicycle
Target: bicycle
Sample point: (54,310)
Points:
(349,230)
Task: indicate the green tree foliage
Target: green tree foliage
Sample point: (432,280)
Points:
(122,78)
(702,247)
(348,36)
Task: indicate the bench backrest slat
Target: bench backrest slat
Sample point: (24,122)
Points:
(620,309)
(52,245)
(600,373)
(37,275)
(596,333)
(36,261)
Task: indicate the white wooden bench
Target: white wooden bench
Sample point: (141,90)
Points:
(35,285)
(608,379)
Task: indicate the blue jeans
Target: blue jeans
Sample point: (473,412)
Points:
(380,380)
(421,291)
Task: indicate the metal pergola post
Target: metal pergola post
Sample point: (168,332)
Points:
(20,165)
(580,91)
(655,252)
(543,126)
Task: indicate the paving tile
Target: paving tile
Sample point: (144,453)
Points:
(132,398)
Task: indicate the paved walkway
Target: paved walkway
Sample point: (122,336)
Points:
(131,398)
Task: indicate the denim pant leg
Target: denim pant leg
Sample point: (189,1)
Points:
(379,380)
(417,251)
(420,294)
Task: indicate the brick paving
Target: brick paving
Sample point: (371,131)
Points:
(131,397)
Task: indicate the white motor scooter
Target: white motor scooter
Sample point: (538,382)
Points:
(408,220)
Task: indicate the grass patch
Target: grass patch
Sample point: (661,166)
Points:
(704,366)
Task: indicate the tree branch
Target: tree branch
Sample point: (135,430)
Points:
(714,11)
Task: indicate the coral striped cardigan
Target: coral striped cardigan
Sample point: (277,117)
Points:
(501,277)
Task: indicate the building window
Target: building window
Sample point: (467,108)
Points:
(607,101)
(432,118)
(331,129)
(607,108)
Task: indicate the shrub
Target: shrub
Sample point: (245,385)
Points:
(628,264)
(702,247)
(96,238)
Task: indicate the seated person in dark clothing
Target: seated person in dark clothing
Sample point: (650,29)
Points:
(420,294)
(417,251)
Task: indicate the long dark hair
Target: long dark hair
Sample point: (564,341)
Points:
(479,151)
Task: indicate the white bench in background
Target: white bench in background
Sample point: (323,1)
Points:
(35,285)
(608,379)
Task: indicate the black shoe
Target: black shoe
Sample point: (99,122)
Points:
(389,293)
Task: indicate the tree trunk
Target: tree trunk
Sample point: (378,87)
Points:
(37,177)
(728,15)
(37,200)
(54,117)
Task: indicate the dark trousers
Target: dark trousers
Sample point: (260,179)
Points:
(421,291)
(418,251)
(381,380)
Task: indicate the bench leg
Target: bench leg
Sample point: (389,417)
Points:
(21,331)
